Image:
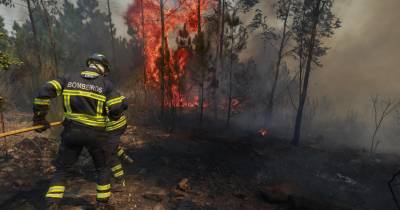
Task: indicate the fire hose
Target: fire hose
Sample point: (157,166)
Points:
(24,130)
(53,124)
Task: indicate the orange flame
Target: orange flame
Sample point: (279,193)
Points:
(263,132)
(178,14)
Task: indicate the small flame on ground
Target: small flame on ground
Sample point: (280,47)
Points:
(263,132)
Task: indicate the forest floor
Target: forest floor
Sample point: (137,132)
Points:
(215,171)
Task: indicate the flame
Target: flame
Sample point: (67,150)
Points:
(263,132)
(180,19)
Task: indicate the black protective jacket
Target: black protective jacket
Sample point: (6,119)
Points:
(89,99)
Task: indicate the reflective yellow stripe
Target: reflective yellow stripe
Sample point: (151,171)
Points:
(67,104)
(87,119)
(117,167)
(115,101)
(100,105)
(54,195)
(94,118)
(57,86)
(121,173)
(103,195)
(58,189)
(103,187)
(112,128)
(39,101)
(113,125)
(85,94)
(120,152)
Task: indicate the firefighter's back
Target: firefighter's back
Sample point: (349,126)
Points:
(85,95)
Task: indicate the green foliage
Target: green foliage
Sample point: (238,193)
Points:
(6,57)
(259,22)
(6,61)
(79,30)
(304,19)
(8,3)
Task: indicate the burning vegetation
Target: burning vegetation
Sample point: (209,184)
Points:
(166,66)
(210,120)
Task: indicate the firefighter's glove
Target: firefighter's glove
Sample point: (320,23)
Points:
(40,119)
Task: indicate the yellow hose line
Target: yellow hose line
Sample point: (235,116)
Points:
(24,130)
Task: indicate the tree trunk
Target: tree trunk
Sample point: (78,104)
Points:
(301,58)
(221,37)
(162,67)
(144,55)
(51,37)
(310,53)
(228,119)
(270,107)
(217,62)
(110,25)
(200,43)
(171,125)
(35,74)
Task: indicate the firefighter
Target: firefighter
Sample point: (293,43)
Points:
(89,100)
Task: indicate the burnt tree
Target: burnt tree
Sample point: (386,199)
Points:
(284,12)
(313,22)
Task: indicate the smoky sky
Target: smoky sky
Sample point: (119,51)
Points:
(364,58)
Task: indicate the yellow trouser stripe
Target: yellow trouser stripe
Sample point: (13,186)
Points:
(115,101)
(54,195)
(85,94)
(117,167)
(53,189)
(103,195)
(119,174)
(103,187)
(120,152)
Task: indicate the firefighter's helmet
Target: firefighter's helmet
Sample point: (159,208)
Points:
(101,59)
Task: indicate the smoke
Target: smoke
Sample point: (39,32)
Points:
(363,59)
(362,62)
(118,10)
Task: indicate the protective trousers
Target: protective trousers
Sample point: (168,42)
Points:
(116,154)
(74,139)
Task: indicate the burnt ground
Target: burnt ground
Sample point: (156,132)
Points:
(182,171)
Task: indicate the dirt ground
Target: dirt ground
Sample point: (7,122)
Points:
(215,171)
